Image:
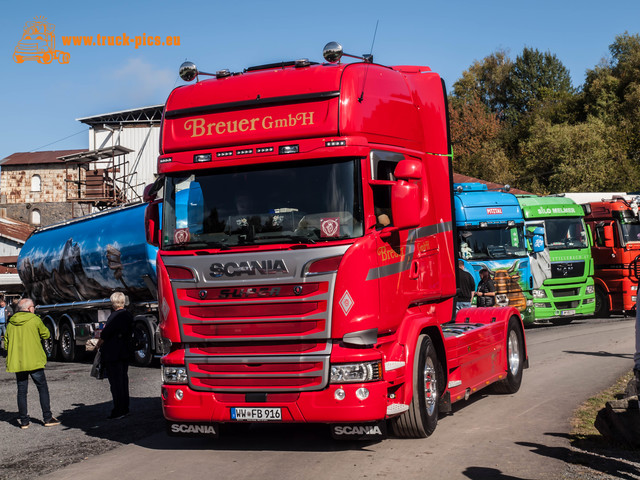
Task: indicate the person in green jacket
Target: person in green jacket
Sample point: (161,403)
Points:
(26,357)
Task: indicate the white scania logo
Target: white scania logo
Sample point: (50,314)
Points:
(358,430)
(183,428)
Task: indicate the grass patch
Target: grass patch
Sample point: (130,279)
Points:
(582,428)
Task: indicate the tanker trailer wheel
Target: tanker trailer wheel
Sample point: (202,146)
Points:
(422,417)
(515,360)
(602,304)
(67,344)
(143,356)
(50,345)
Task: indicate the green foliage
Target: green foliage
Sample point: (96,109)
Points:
(522,122)
(536,81)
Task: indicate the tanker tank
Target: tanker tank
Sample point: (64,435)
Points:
(89,258)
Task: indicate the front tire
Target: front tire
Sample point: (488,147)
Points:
(602,304)
(143,356)
(515,360)
(421,419)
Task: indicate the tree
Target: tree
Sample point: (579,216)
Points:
(486,80)
(536,81)
(581,157)
(475,132)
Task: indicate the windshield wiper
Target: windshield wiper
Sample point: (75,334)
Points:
(194,245)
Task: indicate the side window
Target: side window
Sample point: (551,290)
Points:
(600,235)
(383,164)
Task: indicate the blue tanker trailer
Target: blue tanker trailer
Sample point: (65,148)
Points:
(71,269)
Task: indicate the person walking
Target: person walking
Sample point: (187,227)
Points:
(114,348)
(26,357)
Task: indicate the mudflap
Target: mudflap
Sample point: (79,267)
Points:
(192,429)
(360,431)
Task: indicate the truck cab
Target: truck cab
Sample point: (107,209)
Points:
(616,251)
(491,234)
(563,287)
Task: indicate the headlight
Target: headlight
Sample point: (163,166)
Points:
(634,288)
(589,289)
(539,294)
(356,372)
(542,305)
(174,375)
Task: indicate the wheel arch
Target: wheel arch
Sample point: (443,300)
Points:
(54,324)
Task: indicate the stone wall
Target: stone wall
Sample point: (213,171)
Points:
(19,201)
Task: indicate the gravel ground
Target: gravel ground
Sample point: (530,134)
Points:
(82,404)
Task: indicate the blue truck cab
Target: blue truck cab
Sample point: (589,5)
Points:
(491,234)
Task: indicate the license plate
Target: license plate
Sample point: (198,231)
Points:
(256,414)
(568,312)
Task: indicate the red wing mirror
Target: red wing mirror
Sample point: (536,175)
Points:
(152,223)
(405,194)
(608,236)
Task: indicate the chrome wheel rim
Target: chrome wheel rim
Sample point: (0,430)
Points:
(430,386)
(513,352)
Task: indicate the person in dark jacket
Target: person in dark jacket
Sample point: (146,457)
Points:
(486,291)
(466,286)
(114,349)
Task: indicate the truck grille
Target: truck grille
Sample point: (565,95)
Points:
(256,333)
(567,269)
(566,292)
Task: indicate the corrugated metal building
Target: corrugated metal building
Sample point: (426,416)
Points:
(137,129)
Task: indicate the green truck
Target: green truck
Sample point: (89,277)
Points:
(563,287)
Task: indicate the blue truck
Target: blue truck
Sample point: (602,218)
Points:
(491,234)
(70,270)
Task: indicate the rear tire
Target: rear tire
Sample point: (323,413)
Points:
(515,360)
(422,417)
(67,344)
(602,304)
(50,345)
(144,356)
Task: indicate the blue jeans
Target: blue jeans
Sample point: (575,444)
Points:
(43,391)
(461,305)
(3,330)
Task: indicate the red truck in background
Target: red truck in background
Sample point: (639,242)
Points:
(307,261)
(615,226)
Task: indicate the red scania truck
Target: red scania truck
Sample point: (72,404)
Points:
(307,261)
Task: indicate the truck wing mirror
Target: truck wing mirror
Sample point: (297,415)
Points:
(405,194)
(152,223)
(608,236)
(538,243)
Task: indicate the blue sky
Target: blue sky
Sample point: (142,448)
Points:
(41,103)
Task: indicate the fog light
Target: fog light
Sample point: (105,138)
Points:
(589,300)
(362,393)
(634,298)
(339,394)
(179,394)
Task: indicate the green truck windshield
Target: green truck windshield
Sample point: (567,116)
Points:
(565,233)
(302,202)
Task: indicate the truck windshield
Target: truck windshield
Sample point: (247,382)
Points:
(491,242)
(630,230)
(302,202)
(565,233)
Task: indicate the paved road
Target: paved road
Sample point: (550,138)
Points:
(521,436)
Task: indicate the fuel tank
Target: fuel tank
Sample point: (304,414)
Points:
(89,258)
